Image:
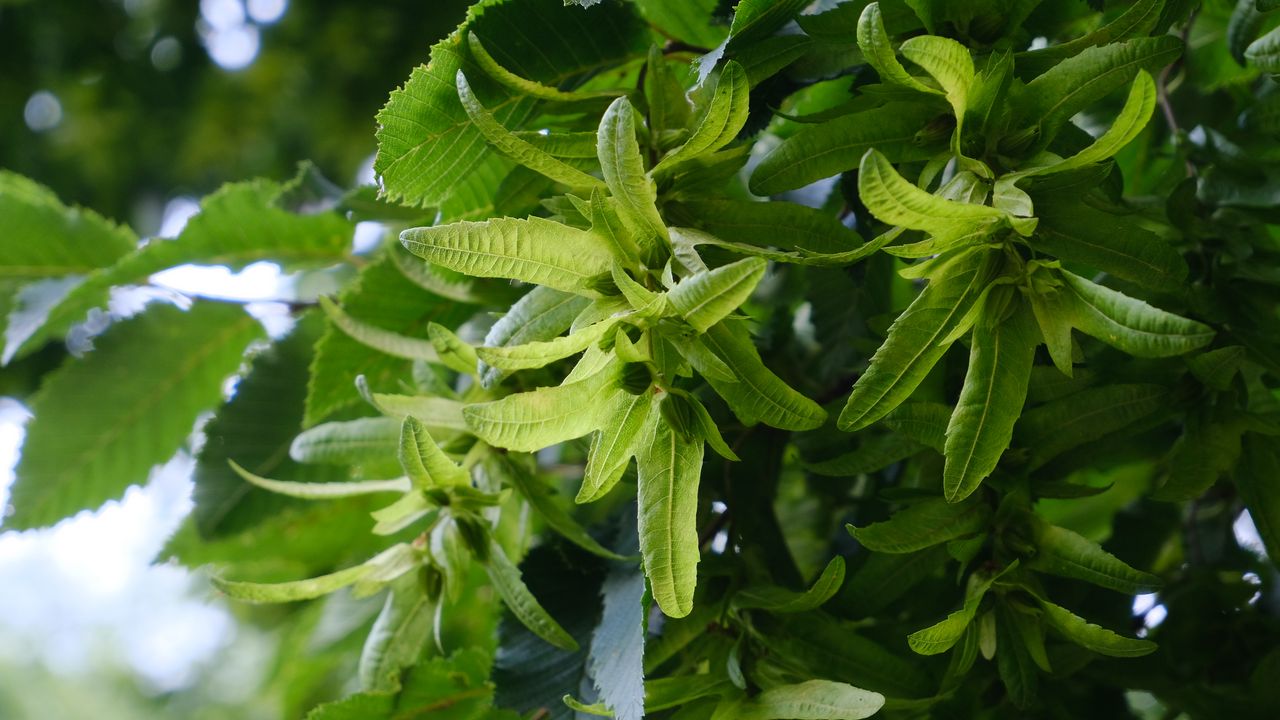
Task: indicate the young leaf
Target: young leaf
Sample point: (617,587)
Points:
(439,414)
(705,299)
(424,462)
(1130,324)
(719,124)
(940,637)
(398,635)
(519,84)
(995,388)
(874,42)
(811,700)
(320,490)
(507,581)
(150,376)
(541,315)
(291,591)
(779,600)
(875,453)
(347,442)
(511,145)
(375,337)
(452,351)
(915,344)
(534,250)
(759,395)
(613,446)
(1133,117)
(541,418)
(1076,232)
(1216,368)
(1093,413)
(950,65)
(1067,554)
(1093,637)
(540,499)
(894,200)
(669,466)
(924,524)
(542,353)
(623,168)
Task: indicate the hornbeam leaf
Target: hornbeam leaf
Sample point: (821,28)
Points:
(540,315)
(914,344)
(1130,324)
(924,524)
(874,42)
(347,442)
(1085,416)
(995,388)
(811,700)
(1258,480)
(291,591)
(623,169)
(758,395)
(719,124)
(539,497)
(541,418)
(150,377)
(424,462)
(1093,637)
(820,151)
(320,490)
(44,238)
(515,594)
(541,353)
(523,85)
(894,200)
(1061,552)
(613,446)
(779,600)
(514,147)
(669,466)
(705,299)
(1055,97)
(375,337)
(534,250)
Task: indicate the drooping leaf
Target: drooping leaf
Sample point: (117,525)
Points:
(759,395)
(1058,426)
(811,700)
(556,516)
(347,442)
(1096,638)
(151,377)
(541,315)
(543,352)
(719,123)
(384,341)
(1130,324)
(941,636)
(534,250)
(541,418)
(320,490)
(669,466)
(398,636)
(924,524)
(780,600)
(1068,554)
(895,201)
(995,389)
(515,594)
(1117,244)
(613,446)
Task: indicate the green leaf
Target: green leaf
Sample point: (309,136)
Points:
(623,169)
(1014,661)
(513,146)
(534,250)
(924,524)
(924,422)
(424,462)
(886,577)
(1216,368)
(940,637)
(541,353)
(1137,20)
(320,490)
(1091,414)
(439,414)
(518,84)
(1130,324)
(689,21)
(151,377)
(875,453)
(1093,637)
(878,51)
(720,121)
(348,442)
(1064,553)
(613,446)
(541,315)
(44,238)
(453,688)
(669,466)
(759,395)
(385,341)
(452,352)
(426,142)
(1264,53)
(995,388)
(541,418)
(915,342)
(1209,446)
(1116,244)
(820,151)
(770,224)
(811,700)
(1133,117)
(398,636)
(507,581)
(616,659)
(1051,99)
(780,600)
(557,518)
(1258,480)
(949,63)
(291,591)
(380,297)
(706,298)
(895,201)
